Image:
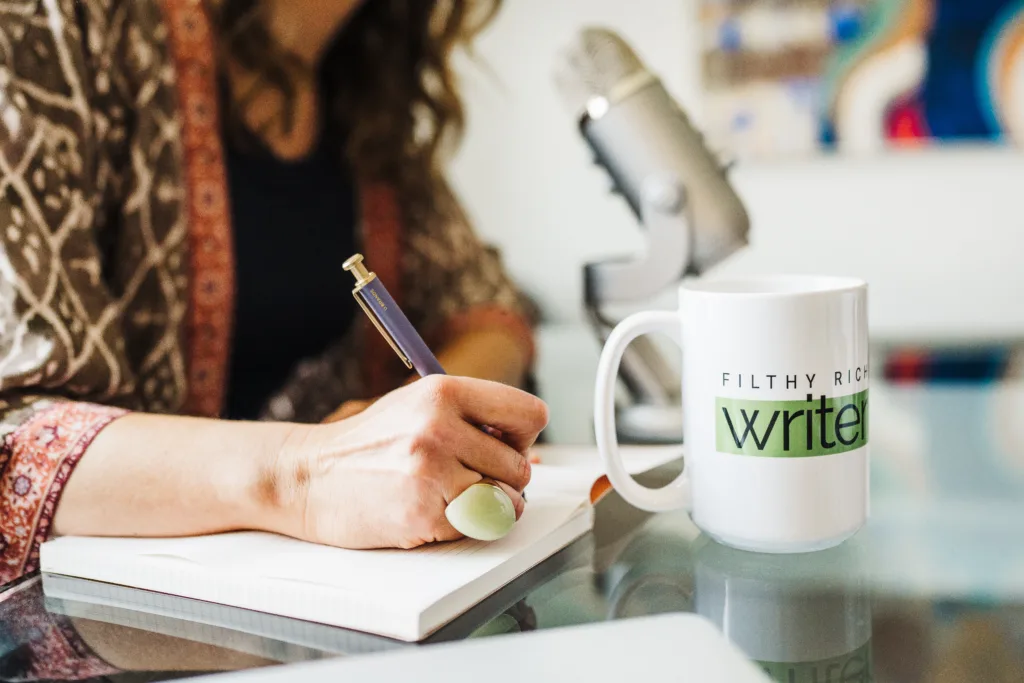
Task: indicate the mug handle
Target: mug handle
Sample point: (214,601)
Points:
(677,494)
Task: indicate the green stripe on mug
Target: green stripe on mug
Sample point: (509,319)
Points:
(817,425)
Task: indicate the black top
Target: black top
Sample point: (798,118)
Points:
(294,225)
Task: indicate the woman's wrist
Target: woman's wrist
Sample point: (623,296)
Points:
(273,492)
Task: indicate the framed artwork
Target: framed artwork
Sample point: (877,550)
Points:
(795,77)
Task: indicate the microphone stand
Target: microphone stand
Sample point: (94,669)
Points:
(648,408)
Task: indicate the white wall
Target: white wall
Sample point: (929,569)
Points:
(940,236)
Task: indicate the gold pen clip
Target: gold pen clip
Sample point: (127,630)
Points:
(364,277)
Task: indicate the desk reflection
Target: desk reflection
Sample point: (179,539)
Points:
(893,605)
(130,630)
(803,618)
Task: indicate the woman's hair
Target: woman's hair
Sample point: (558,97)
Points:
(389,71)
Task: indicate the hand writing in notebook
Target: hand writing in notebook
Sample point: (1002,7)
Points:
(384,477)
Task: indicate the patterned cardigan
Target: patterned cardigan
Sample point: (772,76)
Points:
(116,273)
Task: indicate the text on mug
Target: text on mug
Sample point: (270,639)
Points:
(792,429)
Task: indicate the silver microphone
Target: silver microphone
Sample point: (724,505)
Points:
(691,216)
(655,157)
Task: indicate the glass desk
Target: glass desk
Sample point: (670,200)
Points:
(931,590)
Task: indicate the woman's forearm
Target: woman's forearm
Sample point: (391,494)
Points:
(156,475)
(379,479)
(489,354)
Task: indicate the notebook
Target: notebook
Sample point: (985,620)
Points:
(278,638)
(671,647)
(401,594)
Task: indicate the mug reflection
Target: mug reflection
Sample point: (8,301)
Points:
(801,618)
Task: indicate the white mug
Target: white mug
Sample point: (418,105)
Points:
(775,410)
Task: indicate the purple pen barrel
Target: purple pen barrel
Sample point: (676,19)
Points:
(385,314)
(382,309)
(401,330)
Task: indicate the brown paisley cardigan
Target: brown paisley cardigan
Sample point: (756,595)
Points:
(116,274)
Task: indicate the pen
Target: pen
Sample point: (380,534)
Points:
(483,511)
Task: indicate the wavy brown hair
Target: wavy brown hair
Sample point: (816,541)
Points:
(390,76)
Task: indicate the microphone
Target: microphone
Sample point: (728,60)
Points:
(691,216)
(656,160)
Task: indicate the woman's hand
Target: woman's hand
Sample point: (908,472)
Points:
(352,408)
(384,477)
(486,354)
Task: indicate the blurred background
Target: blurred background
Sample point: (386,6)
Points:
(873,138)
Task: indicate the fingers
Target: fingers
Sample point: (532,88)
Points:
(518,415)
(518,501)
(459,480)
(442,530)
(434,526)
(491,458)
